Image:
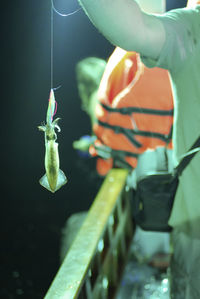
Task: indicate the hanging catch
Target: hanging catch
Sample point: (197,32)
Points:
(54,178)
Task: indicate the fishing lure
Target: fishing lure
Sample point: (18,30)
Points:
(54,177)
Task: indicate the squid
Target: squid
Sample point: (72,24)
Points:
(54,177)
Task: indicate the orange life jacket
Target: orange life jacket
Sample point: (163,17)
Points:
(135,110)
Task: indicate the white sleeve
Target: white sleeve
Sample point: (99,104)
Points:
(180,42)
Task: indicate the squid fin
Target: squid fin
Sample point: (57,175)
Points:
(62,180)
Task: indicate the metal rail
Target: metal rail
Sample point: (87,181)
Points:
(94,263)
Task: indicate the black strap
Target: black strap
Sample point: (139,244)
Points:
(187,157)
(130,133)
(130,110)
(117,155)
(120,130)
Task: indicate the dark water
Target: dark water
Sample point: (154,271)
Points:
(31,217)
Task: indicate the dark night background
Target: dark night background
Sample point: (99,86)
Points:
(31,217)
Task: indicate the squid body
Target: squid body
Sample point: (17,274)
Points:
(54,177)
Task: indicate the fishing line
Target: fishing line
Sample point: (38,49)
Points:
(62,14)
(52,37)
(53,9)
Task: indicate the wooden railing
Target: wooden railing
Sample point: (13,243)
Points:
(94,263)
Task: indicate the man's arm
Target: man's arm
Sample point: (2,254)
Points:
(124,24)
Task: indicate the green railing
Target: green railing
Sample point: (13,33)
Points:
(94,263)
